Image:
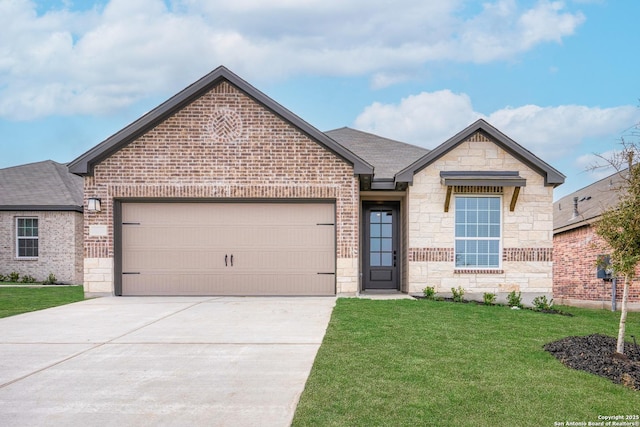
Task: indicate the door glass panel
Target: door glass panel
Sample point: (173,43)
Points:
(386,230)
(386,245)
(375,259)
(375,245)
(375,230)
(387,259)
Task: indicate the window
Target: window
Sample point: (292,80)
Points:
(478,231)
(27,237)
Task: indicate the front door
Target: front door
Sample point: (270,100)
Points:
(381,245)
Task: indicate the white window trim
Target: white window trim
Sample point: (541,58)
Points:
(18,238)
(499,239)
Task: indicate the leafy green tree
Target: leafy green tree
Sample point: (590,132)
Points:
(619,226)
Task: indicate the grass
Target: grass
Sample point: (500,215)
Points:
(406,363)
(16,300)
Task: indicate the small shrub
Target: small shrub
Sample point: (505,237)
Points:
(457,294)
(489,298)
(514,299)
(3,278)
(28,279)
(51,280)
(429,292)
(14,276)
(541,304)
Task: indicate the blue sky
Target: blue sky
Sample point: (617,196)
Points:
(559,77)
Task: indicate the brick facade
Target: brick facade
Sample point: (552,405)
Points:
(575,282)
(59,241)
(223,145)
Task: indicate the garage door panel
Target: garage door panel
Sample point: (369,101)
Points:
(309,260)
(169,259)
(176,236)
(180,248)
(186,283)
(274,284)
(241,284)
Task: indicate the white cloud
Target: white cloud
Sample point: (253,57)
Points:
(428,119)
(96,61)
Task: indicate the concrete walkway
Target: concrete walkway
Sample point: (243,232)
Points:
(186,361)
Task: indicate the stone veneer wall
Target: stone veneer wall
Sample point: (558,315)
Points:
(527,232)
(59,245)
(575,254)
(223,145)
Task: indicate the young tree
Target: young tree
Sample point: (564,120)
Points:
(619,226)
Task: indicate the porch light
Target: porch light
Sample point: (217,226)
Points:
(93,204)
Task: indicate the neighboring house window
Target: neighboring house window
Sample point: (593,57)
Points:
(478,231)
(27,237)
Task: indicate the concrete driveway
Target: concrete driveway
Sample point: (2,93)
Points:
(186,361)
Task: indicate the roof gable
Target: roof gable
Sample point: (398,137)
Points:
(84,164)
(552,177)
(46,185)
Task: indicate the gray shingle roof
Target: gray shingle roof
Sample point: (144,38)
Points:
(387,156)
(44,185)
(592,201)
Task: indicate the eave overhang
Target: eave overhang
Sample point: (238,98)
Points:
(42,208)
(552,177)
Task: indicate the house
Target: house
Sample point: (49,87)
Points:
(577,247)
(41,222)
(222,191)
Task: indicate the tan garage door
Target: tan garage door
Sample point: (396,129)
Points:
(228,249)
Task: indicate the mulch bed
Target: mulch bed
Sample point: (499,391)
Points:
(597,354)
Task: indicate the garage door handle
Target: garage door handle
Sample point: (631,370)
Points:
(225,260)
(231,260)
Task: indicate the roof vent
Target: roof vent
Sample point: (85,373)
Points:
(575,208)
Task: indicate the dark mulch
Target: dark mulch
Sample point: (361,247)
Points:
(597,354)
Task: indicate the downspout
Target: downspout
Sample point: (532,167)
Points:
(614,282)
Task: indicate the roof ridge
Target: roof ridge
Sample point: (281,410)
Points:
(66,177)
(27,164)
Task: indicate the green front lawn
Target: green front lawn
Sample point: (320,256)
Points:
(22,299)
(409,363)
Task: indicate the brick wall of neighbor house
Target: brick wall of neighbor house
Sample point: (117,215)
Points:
(59,246)
(527,232)
(575,254)
(223,145)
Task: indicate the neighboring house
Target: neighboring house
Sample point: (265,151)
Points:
(41,222)
(222,191)
(577,247)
